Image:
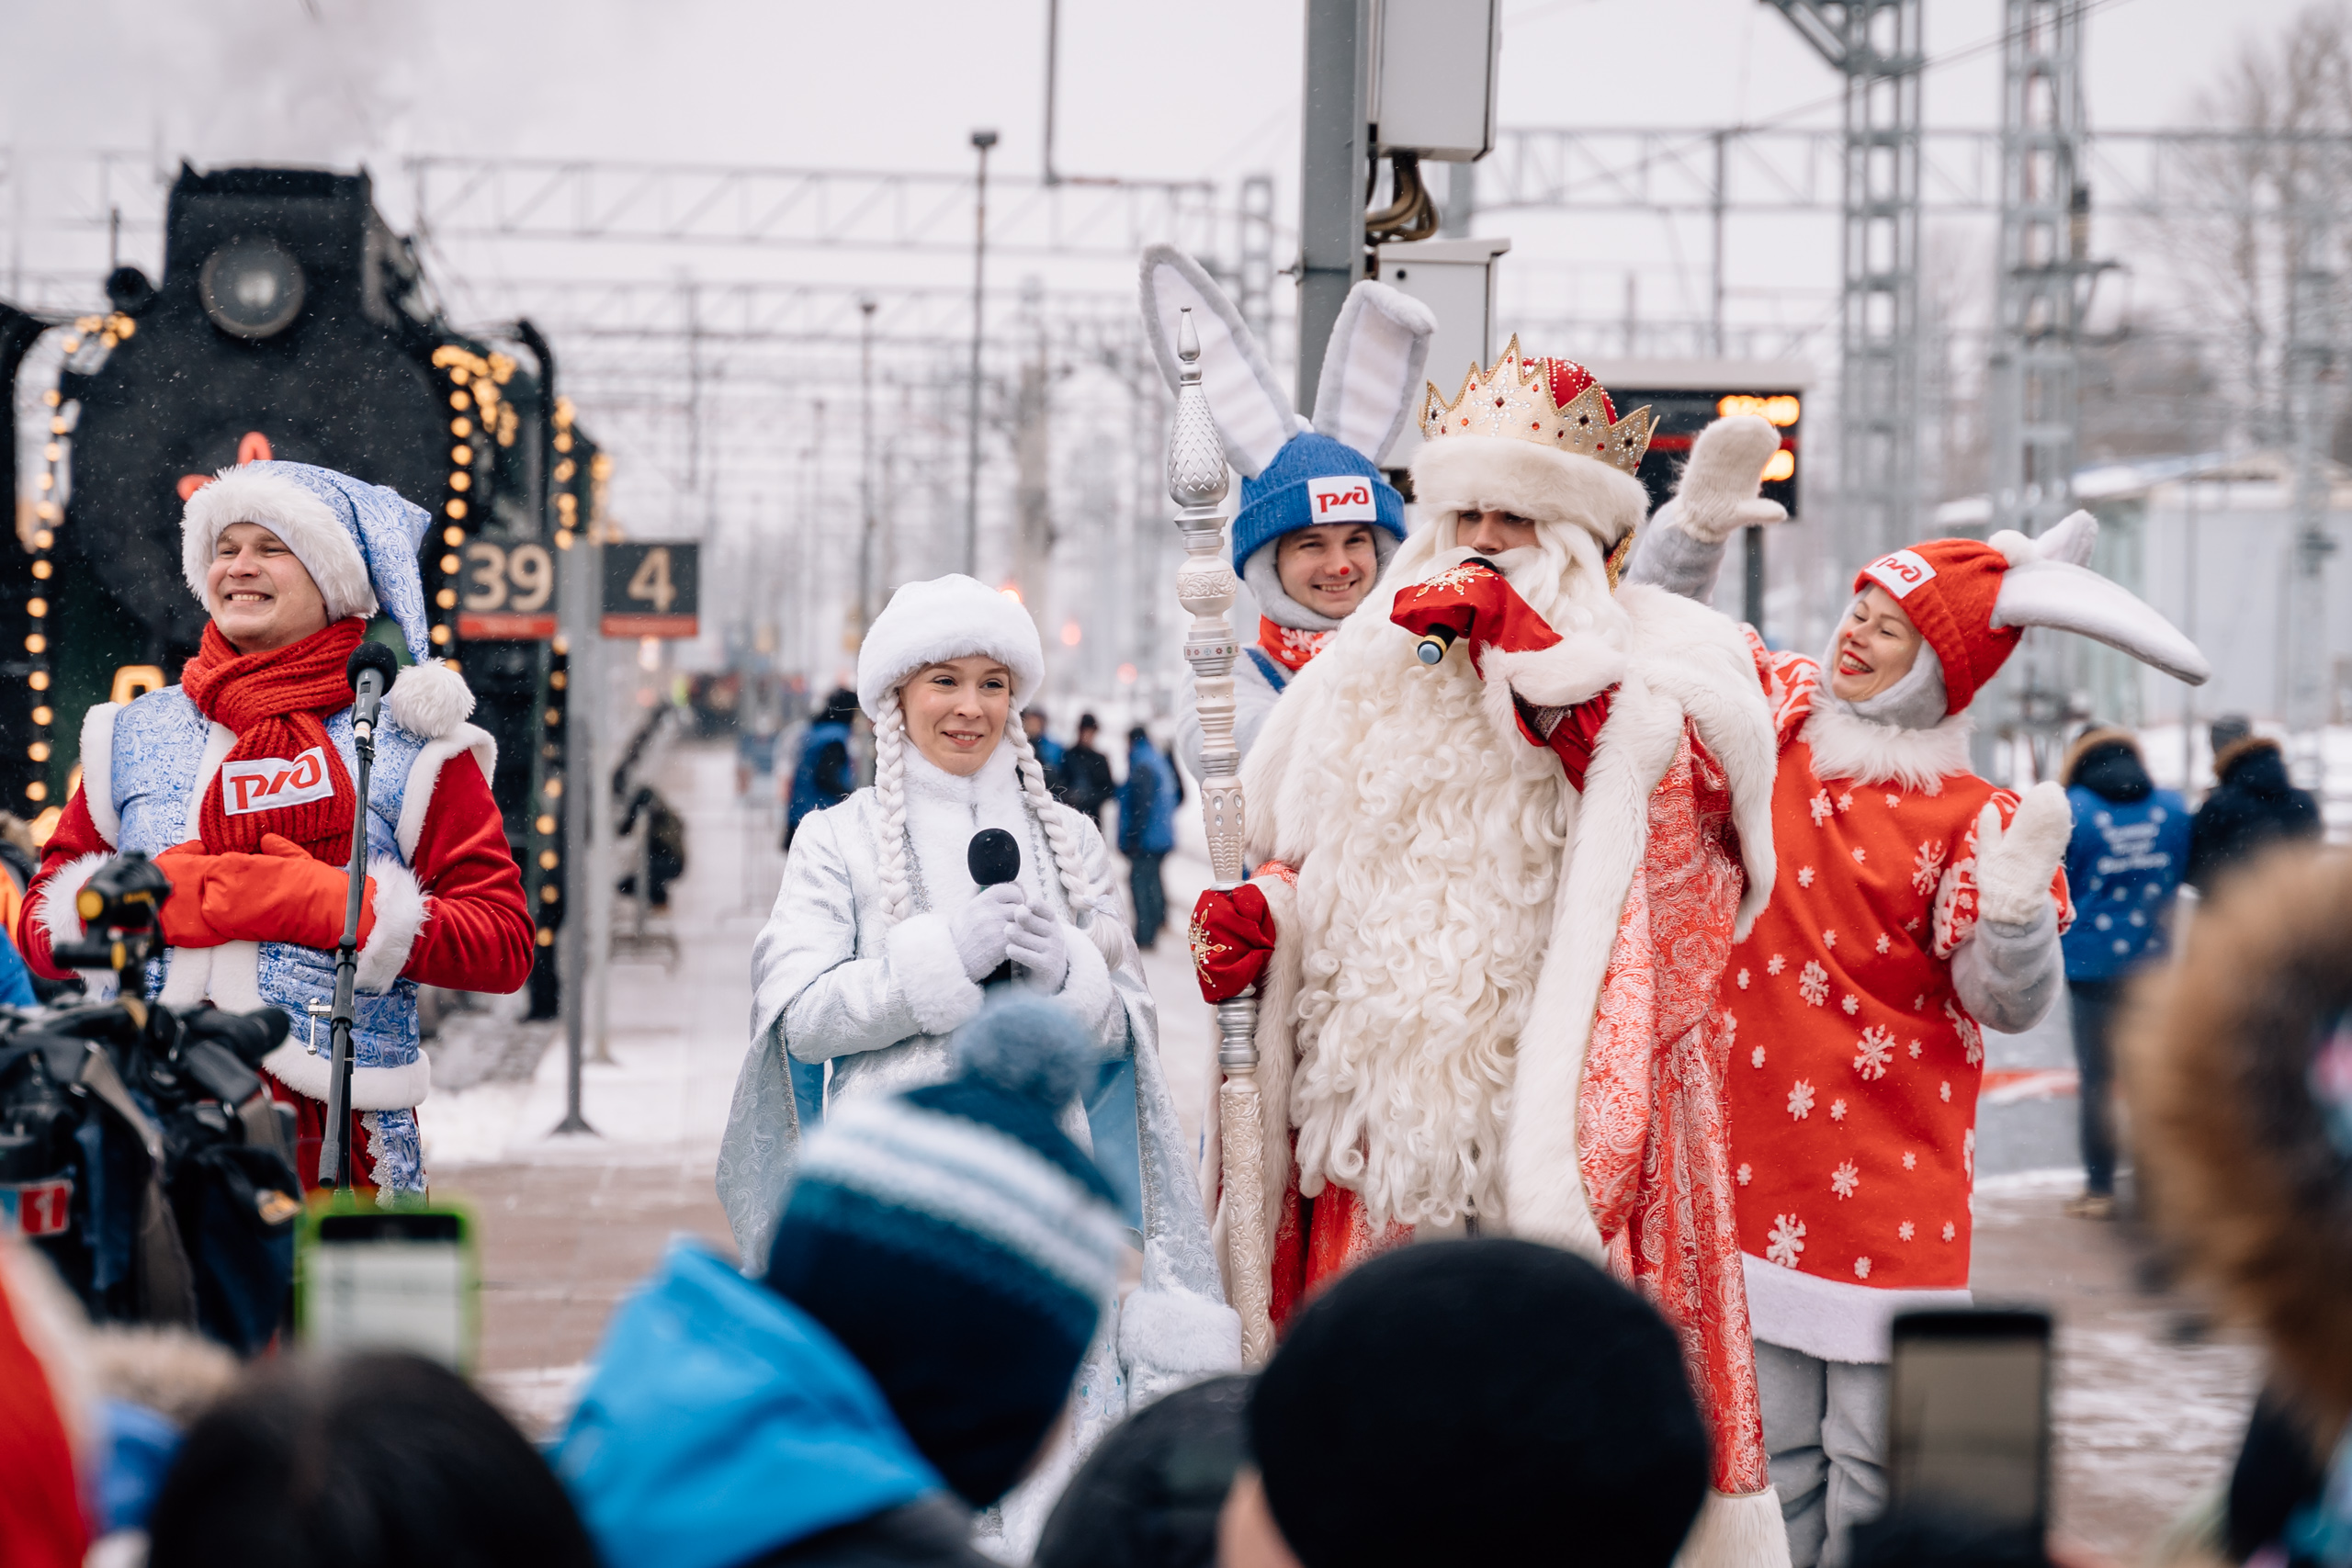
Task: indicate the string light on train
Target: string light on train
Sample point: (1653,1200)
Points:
(48,512)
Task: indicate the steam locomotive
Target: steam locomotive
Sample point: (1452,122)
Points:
(291,323)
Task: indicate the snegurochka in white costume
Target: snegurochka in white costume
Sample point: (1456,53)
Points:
(881,946)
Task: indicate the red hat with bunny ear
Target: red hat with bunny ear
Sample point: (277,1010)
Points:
(1971,601)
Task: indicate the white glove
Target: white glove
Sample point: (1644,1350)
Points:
(1717,496)
(2014,865)
(1036,946)
(981,929)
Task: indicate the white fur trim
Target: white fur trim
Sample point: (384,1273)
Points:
(218,741)
(187,975)
(1170,1338)
(925,969)
(57,914)
(1745,1531)
(1496,473)
(234,982)
(431,700)
(97,771)
(1846,746)
(400,915)
(1830,1318)
(417,795)
(948,617)
(2015,865)
(372,1088)
(1566,672)
(306,524)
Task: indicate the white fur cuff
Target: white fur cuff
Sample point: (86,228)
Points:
(1558,676)
(58,915)
(1745,1531)
(400,916)
(372,1088)
(1170,1338)
(926,971)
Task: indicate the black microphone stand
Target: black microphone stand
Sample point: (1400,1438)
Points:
(334,1144)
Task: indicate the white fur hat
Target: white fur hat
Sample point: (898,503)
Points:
(1497,473)
(947,617)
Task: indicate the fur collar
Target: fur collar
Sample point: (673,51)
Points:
(1848,746)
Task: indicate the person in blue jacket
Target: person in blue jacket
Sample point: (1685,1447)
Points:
(2123,866)
(940,1268)
(825,775)
(1147,832)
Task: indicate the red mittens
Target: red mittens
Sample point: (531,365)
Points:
(281,895)
(1473,601)
(190,870)
(1233,935)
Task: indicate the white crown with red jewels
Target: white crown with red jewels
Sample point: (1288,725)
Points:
(1551,403)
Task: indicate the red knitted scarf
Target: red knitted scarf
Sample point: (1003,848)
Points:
(283,776)
(1291,648)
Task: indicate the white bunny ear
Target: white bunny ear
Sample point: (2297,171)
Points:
(2072,598)
(1252,415)
(2070,540)
(1372,371)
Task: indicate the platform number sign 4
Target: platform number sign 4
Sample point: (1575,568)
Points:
(508,594)
(652,590)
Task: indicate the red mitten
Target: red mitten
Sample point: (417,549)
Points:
(1473,601)
(282,894)
(1233,935)
(190,870)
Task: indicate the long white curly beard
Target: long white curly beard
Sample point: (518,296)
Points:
(1429,850)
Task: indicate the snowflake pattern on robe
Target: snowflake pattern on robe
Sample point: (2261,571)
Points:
(1844,1180)
(1814,983)
(1821,809)
(1904,1231)
(1972,1036)
(1800,1100)
(1874,1051)
(1928,869)
(1787,1242)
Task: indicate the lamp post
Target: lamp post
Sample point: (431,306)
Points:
(981,141)
(866,584)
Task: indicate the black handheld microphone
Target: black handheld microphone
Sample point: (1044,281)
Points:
(1432,647)
(371,671)
(994,857)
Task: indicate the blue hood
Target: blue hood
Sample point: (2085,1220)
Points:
(722,1422)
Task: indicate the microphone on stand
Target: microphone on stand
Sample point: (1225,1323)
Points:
(371,671)
(993,857)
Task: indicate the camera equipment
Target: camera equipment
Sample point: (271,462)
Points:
(119,906)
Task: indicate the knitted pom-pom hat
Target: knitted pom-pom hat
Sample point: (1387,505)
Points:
(948,617)
(1949,588)
(959,1246)
(1314,479)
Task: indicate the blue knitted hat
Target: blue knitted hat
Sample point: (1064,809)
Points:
(1314,480)
(960,1246)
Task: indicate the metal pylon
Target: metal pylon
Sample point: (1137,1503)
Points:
(1875,44)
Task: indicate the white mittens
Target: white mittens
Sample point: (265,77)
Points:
(982,928)
(1717,496)
(2014,865)
(1036,946)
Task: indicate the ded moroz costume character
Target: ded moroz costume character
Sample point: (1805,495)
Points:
(239,781)
(1915,906)
(1499,888)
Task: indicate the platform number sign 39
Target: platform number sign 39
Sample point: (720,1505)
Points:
(652,590)
(508,593)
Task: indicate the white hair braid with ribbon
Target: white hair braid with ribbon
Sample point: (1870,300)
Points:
(890,790)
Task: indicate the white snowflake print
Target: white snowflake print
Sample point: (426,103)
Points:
(1786,1241)
(1904,1232)
(1910,1160)
(1820,809)
(1885,944)
(1756,1057)
(1948,1231)
(1745,1173)
(1919,1002)
(1830,940)
(1799,1099)
(1968,1153)
(1804,876)
(1874,1051)
(1846,801)
(1743,979)
(1912,924)
(1844,1180)
(1971,1036)
(1944,1089)
(1862,1268)
(1915,1049)
(1731,1029)
(1836,1111)
(1812,984)
(1775,964)
(1857,854)
(1926,868)
(1851,1003)
(1893,801)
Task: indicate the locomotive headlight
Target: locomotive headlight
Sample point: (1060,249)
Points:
(252,287)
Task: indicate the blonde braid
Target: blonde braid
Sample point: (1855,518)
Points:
(890,789)
(1067,859)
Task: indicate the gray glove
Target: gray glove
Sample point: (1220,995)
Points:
(1717,495)
(1036,946)
(981,929)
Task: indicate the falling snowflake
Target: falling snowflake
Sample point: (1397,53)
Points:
(1820,809)
(1743,979)
(1893,801)
(1915,1049)
(1910,1160)
(1812,985)
(1944,1089)
(1852,1004)
(1857,854)
(1786,1241)
(1836,1111)
(1862,1268)
(1800,1100)
(1905,1231)
(1846,801)
(1926,868)
(1968,1153)
(1971,1036)
(1844,1180)
(1804,876)
(1756,1057)
(1774,965)
(1874,1051)
(1830,940)
(1885,944)
(1745,1173)
(1948,1231)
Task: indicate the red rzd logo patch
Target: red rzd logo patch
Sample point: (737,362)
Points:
(264,784)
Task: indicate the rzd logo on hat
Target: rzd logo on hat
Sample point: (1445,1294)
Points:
(1344,498)
(1900,572)
(264,784)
